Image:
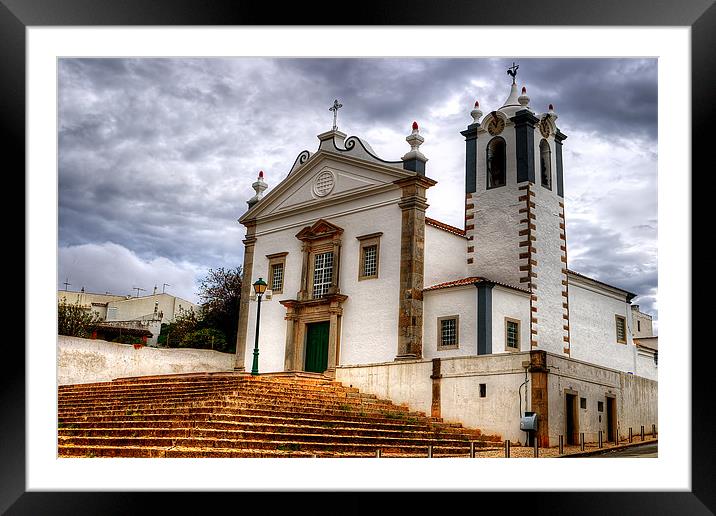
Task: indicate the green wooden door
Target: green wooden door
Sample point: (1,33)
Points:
(317,347)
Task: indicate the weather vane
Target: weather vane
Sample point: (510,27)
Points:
(512,71)
(335,108)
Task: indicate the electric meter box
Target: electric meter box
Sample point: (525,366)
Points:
(528,421)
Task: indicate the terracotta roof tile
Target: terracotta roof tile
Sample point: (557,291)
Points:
(444,227)
(470,280)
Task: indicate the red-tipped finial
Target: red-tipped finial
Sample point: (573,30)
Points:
(261,174)
(524,90)
(415,126)
(551,107)
(477,104)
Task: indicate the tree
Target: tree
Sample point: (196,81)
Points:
(206,338)
(172,334)
(220,293)
(75,321)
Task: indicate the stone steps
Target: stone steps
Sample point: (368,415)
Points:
(251,418)
(365,446)
(232,415)
(226,428)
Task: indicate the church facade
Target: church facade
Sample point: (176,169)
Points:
(363,286)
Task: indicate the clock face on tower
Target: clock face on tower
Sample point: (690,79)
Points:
(495,125)
(544,128)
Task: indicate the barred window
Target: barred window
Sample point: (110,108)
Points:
(448,332)
(512,333)
(277,277)
(621,329)
(276,271)
(368,263)
(370,260)
(322,274)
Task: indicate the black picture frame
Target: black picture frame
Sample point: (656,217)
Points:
(700,16)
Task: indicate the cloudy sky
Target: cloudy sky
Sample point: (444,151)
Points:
(157,156)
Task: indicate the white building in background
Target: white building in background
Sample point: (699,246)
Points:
(141,312)
(453,321)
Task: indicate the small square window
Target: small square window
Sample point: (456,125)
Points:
(583,403)
(600,406)
(448,332)
(483,390)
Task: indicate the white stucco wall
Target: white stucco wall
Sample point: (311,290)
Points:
(636,398)
(87,361)
(592,325)
(445,256)
(515,305)
(405,382)
(374,300)
(136,307)
(548,282)
(646,367)
(642,324)
(460,301)
(498,412)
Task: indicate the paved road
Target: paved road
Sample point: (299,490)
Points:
(647,450)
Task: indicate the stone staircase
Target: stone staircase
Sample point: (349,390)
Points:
(237,415)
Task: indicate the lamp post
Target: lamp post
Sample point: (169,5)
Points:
(259,288)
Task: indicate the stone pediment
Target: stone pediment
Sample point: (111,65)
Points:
(325,178)
(320,229)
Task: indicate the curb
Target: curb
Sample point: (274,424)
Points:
(607,450)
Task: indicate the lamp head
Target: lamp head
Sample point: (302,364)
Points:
(260,286)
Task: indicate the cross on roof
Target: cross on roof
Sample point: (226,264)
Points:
(336,106)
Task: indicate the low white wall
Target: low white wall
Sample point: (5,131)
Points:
(498,413)
(87,360)
(636,398)
(406,382)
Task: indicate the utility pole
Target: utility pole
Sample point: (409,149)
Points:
(66,283)
(138,289)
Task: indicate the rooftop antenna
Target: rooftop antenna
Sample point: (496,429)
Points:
(66,283)
(165,285)
(138,289)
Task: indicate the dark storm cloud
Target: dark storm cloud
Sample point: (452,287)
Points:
(156,156)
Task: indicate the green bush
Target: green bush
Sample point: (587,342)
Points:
(127,339)
(207,338)
(75,321)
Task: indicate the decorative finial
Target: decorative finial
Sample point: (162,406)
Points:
(523,99)
(415,140)
(551,112)
(512,71)
(336,106)
(476,114)
(259,186)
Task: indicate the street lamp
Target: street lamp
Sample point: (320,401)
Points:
(259,288)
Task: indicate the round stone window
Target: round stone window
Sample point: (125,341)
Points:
(325,181)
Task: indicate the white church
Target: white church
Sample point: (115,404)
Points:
(481,324)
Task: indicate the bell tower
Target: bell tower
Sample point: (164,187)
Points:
(514,210)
